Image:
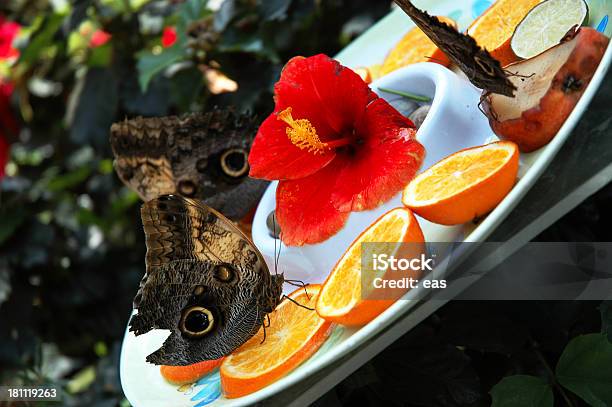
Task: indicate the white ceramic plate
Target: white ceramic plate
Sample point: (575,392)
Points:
(142,382)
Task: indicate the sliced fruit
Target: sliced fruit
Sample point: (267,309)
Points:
(344,298)
(493,29)
(465,185)
(369,74)
(546,25)
(415,47)
(188,374)
(548,87)
(295,333)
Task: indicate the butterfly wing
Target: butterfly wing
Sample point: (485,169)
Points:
(201,156)
(481,68)
(199,266)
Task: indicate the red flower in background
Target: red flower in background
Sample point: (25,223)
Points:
(99,38)
(168,37)
(8,32)
(8,124)
(335,146)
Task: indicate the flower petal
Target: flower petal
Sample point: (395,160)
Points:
(383,165)
(332,97)
(304,209)
(273,156)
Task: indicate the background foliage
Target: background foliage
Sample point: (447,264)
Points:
(71,243)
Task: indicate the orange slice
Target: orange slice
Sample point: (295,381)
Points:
(294,334)
(415,47)
(465,185)
(494,28)
(346,296)
(370,73)
(188,374)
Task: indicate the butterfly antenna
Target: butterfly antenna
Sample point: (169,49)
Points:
(280,245)
(299,283)
(275,256)
(297,303)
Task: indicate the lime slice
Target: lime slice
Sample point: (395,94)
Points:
(546,24)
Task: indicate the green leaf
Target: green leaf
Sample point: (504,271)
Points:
(82,380)
(150,64)
(69,180)
(585,368)
(522,391)
(185,87)
(274,9)
(408,95)
(41,38)
(192,10)
(100,56)
(9,222)
(606,319)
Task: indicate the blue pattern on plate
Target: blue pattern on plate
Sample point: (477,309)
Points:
(479,7)
(210,391)
(603,24)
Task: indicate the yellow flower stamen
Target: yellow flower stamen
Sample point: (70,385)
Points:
(302,133)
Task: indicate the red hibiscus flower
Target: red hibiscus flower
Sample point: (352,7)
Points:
(8,32)
(99,38)
(335,146)
(8,124)
(168,37)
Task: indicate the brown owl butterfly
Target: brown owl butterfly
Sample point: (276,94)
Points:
(200,155)
(481,68)
(205,282)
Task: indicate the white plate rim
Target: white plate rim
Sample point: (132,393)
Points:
(544,157)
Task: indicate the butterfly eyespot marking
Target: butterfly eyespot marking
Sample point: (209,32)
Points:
(162,206)
(224,273)
(201,164)
(234,162)
(170,218)
(187,188)
(196,321)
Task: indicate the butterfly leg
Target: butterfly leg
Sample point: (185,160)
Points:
(264,328)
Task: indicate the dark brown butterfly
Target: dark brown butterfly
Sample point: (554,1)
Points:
(200,155)
(205,281)
(481,68)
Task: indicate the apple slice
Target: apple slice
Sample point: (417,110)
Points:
(548,87)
